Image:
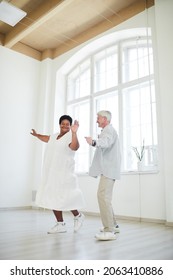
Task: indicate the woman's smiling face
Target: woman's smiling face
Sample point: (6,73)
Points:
(64,126)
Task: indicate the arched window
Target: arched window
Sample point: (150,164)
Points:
(117,75)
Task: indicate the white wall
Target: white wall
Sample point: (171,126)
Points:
(19,87)
(44,117)
(164,23)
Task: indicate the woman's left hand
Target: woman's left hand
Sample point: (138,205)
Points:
(75,126)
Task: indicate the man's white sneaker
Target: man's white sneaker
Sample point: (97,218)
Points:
(106,235)
(58,228)
(78,221)
(117,229)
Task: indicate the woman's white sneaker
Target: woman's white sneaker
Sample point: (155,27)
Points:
(78,221)
(58,228)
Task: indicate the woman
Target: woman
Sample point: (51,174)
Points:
(59,189)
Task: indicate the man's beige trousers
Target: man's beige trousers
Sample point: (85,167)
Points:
(104,195)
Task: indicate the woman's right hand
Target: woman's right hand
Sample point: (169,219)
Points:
(44,138)
(33,132)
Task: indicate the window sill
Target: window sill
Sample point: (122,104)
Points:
(143,172)
(134,172)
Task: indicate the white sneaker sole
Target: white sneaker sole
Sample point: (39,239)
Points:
(56,232)
(102,238)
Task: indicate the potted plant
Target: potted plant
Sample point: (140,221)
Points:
(139,154)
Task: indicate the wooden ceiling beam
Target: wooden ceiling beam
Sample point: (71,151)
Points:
(26,50)
(35,19)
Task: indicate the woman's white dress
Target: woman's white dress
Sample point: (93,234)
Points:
(59,188)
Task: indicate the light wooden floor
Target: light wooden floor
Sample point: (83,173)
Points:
(23,236)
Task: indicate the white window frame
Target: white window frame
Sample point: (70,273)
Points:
(93,95)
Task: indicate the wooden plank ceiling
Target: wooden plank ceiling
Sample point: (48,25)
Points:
(52,27)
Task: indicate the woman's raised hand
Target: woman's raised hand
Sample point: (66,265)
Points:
(75,126)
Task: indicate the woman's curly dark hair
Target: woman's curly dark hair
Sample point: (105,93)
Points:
(66,117)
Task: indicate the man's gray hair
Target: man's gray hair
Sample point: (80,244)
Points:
(106,114)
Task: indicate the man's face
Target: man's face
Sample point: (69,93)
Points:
(101,121)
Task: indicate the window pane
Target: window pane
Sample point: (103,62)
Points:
(106,69)
(138,125)
(137,60)
(78,81)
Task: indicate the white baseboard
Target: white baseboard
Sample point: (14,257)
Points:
(15,208)
(136,219)
(119,217)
